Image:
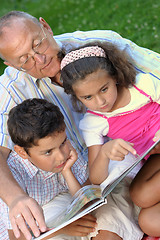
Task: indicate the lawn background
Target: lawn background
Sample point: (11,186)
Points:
(137,20)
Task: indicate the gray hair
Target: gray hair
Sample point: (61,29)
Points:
(7,19)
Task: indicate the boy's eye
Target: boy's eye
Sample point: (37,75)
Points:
(48,153)
(63,143)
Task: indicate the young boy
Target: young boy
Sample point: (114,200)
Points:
(43,164)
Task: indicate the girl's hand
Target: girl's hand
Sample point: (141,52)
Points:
(157,136)
(71,159)
(117,149)
(81,227)
(156,149)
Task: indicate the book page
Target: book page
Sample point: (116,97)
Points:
(135,161)
(116,168)
(85,195)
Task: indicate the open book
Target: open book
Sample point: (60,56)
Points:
(91,197)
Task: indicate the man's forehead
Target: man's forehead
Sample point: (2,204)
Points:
(15,36)
(20,24)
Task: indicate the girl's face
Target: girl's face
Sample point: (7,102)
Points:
(98,91)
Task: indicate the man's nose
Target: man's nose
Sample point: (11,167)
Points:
(39,58)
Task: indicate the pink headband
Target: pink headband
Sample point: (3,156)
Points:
(93,51)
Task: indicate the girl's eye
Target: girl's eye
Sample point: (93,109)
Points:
(88,97)
(104,89)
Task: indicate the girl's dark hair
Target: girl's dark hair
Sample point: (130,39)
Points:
(32,120)
(116,64)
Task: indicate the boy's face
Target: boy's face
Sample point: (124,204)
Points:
(51,153)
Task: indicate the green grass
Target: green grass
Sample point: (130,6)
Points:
(137,20)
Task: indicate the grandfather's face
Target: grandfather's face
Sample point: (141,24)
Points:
(20,40)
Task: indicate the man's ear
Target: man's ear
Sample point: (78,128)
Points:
(46,25)
(8,64)
(21,152)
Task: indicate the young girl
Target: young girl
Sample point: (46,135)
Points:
(123,106)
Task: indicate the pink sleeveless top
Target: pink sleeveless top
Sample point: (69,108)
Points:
(136,126)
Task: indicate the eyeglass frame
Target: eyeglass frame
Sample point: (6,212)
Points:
(45,37)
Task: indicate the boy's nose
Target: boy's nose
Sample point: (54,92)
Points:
(61,156)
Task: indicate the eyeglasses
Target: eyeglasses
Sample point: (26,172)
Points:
(40,48)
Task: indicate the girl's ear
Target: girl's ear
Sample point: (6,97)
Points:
(21,152)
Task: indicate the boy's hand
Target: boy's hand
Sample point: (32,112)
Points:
(81,227)
(73,184)
(117,149)
(71,159)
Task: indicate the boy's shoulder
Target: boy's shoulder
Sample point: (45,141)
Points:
(20,166)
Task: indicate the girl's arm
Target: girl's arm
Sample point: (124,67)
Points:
(100,155)
(98,164)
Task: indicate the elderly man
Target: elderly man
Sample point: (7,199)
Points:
(33,55)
